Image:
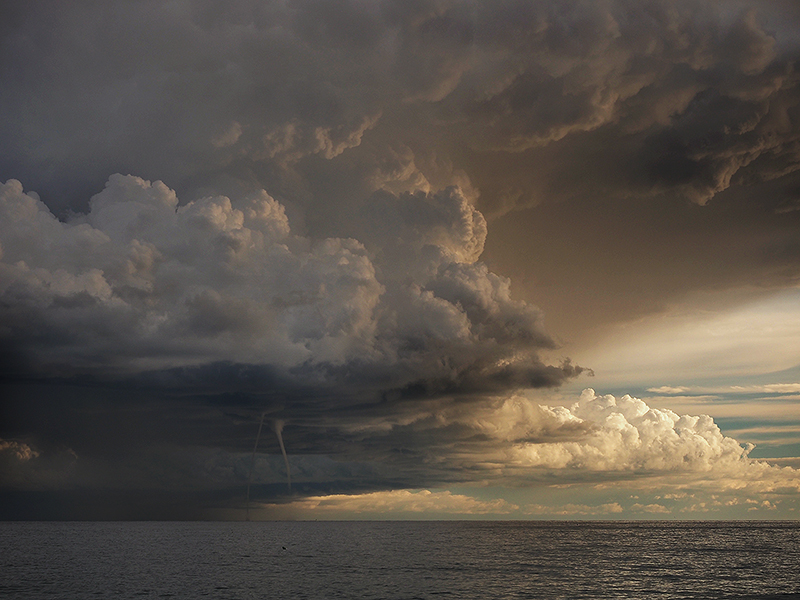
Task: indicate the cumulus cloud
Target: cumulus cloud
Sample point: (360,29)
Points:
(597,434)
(595,448)
(189,284)
(631,436)
(141,283)
(516,441)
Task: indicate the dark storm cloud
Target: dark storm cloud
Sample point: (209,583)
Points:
(213,312)
(693,102)
(510,441)
(314,251)
(141,283)
(194,96)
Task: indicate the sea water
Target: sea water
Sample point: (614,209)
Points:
(428,559)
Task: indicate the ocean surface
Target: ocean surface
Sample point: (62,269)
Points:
(463,559)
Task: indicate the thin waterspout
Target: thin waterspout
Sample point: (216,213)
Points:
(278,425)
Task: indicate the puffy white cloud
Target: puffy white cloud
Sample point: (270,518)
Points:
(599,438)
(628,435)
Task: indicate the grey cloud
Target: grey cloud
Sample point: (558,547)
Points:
(706,104)
(142,284)
(413,230)
(24,466)
(303,82)
(117,89)
(504,440)
(201,440)
(316,247)
(722,139)
(513,439)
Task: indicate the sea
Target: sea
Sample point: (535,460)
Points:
(400,559)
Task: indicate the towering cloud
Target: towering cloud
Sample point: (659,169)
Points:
(141,283)
(304,212)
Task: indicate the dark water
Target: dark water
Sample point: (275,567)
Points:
(400,560)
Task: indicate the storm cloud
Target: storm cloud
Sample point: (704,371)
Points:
(142,284)
(342,218)
(700,96)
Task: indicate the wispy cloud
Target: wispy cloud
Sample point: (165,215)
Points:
(568,510)
(417,502)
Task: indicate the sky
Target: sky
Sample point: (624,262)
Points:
(428,259)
